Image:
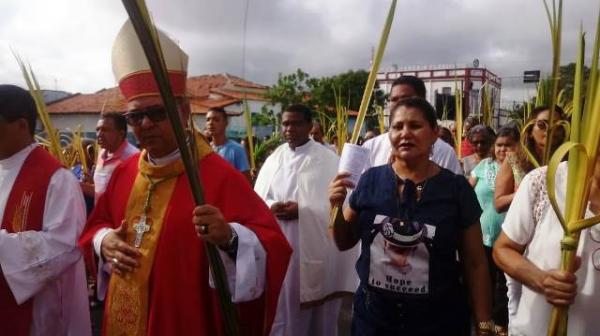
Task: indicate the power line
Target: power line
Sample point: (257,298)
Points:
(244,29)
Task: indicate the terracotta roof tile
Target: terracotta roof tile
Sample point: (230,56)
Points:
(205,91)
(109,100)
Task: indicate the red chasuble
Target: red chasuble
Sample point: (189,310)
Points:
(24,211)
(180,299)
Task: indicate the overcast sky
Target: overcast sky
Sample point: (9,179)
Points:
(68,42)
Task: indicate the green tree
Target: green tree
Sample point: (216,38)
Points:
(567,76)
(350,86)
(290,89)
(320,94)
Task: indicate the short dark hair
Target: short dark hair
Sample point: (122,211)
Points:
(509,131)
(17,103)
(302,109)
(218,110)
(118,119)
(445,134)
(471,121)
(419,103)
(414,82)
(483,130)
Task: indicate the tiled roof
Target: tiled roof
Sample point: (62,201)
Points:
(205,92)
(108,100)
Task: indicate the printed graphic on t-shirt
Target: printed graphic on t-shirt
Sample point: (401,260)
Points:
(399,260)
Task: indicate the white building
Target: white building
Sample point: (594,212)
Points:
(441,82)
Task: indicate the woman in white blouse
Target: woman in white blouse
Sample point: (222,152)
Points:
(528,250)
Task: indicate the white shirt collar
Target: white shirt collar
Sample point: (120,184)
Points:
(301,149)
(165,160)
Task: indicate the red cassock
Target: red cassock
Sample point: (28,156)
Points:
(181,301)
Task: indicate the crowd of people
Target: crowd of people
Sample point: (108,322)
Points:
(426,243)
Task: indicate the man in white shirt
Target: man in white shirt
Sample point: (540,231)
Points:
(380,146)
(42,278)
(111,132)
(293,182)
(111,135)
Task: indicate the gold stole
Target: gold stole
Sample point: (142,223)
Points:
(127,302)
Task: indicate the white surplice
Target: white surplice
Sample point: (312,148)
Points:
(317,269)
(47,265)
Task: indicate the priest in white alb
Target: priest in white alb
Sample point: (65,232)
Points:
(293,182)
(42,211)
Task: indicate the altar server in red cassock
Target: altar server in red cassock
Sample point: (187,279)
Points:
(42,213)
(149,233)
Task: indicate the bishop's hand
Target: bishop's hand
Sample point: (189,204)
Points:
(337,189)
(114,249)
(211,225)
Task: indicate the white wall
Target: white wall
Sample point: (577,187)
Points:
(71,121)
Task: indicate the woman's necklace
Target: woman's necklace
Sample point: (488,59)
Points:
(420,187)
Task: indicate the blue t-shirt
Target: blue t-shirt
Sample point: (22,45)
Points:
(234,153)
(491,221)
(412,281)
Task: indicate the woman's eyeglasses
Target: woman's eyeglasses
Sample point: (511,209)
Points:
(542,124)
(155,114)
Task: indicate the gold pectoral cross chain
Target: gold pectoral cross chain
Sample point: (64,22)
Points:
(143,224)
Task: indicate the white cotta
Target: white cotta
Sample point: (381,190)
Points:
(47,266)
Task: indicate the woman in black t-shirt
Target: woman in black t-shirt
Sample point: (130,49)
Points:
(413,219)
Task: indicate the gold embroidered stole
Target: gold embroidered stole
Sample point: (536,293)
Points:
(127,303)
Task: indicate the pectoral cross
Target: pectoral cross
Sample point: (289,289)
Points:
(140,228)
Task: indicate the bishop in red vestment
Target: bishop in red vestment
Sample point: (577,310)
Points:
(149,232)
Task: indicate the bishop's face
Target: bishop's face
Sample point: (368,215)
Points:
(148,119)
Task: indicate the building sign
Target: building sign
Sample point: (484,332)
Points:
(531,76)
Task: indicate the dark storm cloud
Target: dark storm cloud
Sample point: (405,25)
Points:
(72,41)
(324,38)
